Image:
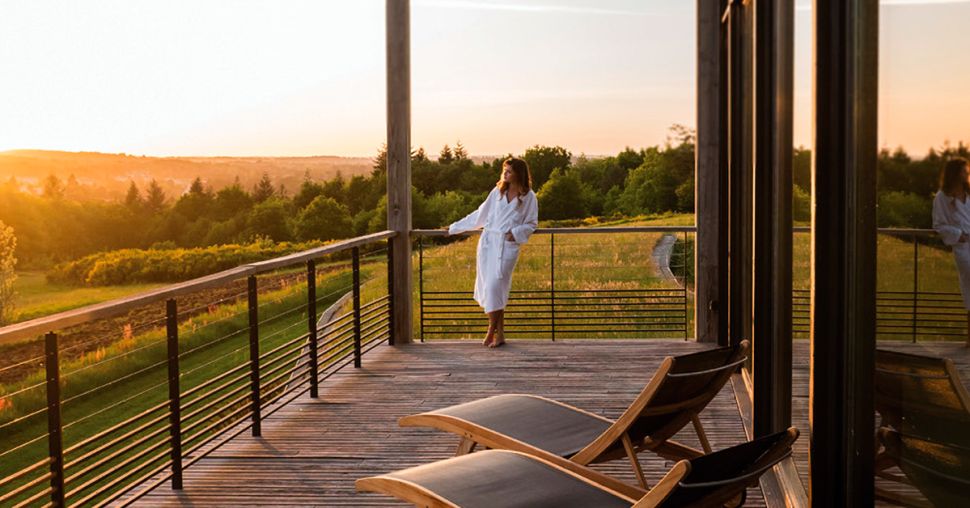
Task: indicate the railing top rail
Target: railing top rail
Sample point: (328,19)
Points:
(657,229)
(590,230)
(891,231)
(61,320)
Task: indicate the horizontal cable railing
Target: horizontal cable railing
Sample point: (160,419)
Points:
(917,296)
(913,301)
(109,429)
(563,300)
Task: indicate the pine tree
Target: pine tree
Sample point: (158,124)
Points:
(263,189)
(446,157)
(154,197)
(133,199)
(460,153)
(53,188)
(420,155)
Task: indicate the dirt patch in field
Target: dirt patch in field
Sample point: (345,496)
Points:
(19,360)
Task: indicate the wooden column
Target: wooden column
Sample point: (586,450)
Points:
(710,280)
(740,90)
(399,162)
(772,288)
(843,252)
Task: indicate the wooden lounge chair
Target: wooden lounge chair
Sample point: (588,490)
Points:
(514,479)
(679,390)
(921,398)
(940,471)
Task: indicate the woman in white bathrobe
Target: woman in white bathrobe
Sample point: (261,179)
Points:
(508,217)
(951,219)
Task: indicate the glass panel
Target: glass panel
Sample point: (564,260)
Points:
(922,364)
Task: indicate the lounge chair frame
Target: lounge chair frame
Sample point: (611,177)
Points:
(721,491)
(616,441)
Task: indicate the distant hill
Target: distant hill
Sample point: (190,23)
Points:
(107,176)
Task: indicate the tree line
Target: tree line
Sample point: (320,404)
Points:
(53,227)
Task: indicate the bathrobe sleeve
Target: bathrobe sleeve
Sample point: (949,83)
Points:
(522,232)
(475,219)
(950,233)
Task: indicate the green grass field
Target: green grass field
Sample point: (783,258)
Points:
(35,297)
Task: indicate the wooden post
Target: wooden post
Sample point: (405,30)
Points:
(710,272)
(399,161)
(772,344)
(846,35)
(740,181)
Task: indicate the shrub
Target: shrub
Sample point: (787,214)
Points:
(130,266)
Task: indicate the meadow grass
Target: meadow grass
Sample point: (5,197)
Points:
(583,262)
(35,297)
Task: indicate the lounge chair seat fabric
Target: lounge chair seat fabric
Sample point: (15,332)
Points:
(500,478)
(541,423)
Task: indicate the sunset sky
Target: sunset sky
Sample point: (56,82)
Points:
(286,77)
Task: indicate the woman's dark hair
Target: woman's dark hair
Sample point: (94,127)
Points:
(520,169)
(951,176)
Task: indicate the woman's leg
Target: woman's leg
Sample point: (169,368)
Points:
(491,330)
(499,328)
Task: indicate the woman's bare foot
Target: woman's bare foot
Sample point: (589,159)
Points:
(499,340)
(488,340)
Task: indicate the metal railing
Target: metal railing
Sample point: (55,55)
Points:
(560,305)
(175,430)
(917,295)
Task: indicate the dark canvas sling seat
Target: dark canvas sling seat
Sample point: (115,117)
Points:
(941,471)
(922,396)
(676,394)
(503,478)
(922,404)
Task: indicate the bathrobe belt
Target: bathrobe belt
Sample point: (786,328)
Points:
(501,238)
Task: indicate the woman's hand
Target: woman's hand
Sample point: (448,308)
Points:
(963,238)
(509,237)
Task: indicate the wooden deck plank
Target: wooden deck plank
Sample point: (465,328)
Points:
(312,450)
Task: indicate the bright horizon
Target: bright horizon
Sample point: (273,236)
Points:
(301,78)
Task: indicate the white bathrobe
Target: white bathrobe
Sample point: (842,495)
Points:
(951,218)
(496,254)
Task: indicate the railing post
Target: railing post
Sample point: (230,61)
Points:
(311,311)
(552,283)
(421,283)
(685,285)
(915,285)
(356,263)
(254,354)
(390,292)
(54,440)
(174,393)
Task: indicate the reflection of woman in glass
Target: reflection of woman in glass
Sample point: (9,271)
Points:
(951,219)
(508,217)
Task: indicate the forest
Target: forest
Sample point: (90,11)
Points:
(53,227)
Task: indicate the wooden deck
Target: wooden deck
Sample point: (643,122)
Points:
(312,450)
